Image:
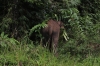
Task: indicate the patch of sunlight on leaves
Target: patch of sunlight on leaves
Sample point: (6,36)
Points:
(65,35)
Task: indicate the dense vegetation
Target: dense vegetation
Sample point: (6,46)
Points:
(20,38)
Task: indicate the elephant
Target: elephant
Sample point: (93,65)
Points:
(51,34)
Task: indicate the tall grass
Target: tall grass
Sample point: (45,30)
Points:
(15,53)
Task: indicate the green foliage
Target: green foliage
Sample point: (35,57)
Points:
(7,42)
(28,54)
(65,35)
(5,24)
(38,27)
(80,17)
(31,1)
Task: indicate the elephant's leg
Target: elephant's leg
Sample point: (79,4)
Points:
(55,38)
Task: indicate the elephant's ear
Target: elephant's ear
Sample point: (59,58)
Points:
(61,24)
